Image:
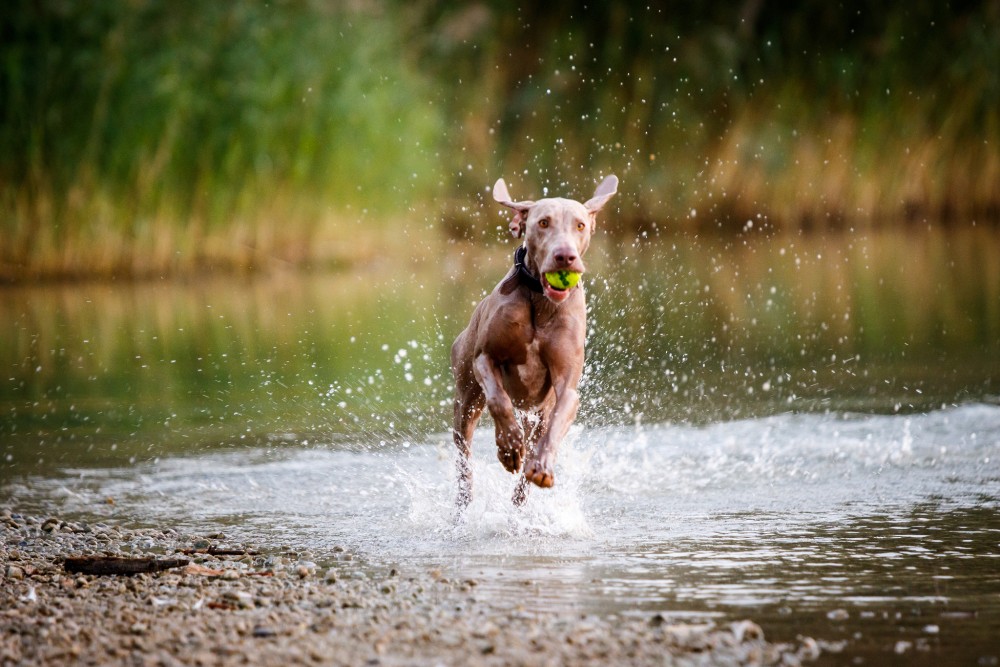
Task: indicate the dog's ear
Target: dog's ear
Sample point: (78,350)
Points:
(604,192)
(520,208)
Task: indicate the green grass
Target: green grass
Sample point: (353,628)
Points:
(155,138)
(152,138)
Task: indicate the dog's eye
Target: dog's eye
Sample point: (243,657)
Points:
(580,226)
(543,223)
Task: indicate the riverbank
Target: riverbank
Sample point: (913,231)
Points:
(230,604)
(138,144)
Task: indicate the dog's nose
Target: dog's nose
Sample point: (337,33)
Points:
(565,256)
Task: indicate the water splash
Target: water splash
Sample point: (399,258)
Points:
(635,484)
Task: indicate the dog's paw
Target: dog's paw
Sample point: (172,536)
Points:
(540,475)
(510,448)
(511,457)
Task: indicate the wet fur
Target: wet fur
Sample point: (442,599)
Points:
(521,357)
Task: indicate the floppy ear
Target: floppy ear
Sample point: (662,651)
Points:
(604,192)
(521,208)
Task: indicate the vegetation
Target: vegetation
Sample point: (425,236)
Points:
(152,137)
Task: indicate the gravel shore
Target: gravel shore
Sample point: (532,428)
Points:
(232,605)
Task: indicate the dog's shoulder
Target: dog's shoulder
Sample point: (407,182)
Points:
(509,284)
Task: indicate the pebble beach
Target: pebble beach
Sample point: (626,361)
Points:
(229,604)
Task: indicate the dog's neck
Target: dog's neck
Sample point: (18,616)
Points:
(523,274)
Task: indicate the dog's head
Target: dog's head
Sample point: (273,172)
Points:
(556,231)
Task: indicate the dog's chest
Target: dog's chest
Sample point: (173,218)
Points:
(532,369)
(527,382)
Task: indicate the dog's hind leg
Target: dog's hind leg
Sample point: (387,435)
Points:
(469,404)
(466,418)
(521,491)
(532,424)
(468,409)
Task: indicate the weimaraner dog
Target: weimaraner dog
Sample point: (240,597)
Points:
(522,353)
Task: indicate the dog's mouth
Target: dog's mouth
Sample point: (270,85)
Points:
(557,285)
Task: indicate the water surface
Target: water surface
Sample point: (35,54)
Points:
(804,431)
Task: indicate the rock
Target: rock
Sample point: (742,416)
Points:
(263,631)
(838,615)
(242,599)
(239,615)
(746,630)
(274,562)
(145,543)
(809,649)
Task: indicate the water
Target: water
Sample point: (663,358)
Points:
(747,447)
(786,519)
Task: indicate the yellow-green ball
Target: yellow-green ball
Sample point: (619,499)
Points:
(563,279)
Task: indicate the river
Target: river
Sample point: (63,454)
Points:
(804,431)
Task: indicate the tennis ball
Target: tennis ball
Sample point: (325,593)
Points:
(563,279)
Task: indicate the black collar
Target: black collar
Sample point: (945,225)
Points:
(528,280)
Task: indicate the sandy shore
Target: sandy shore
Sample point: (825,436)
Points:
(244,607)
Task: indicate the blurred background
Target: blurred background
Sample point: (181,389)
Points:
(148,138)
(807,217)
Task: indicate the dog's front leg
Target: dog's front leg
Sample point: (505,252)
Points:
(510,440)
(540,469)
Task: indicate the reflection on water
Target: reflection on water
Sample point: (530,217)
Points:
(792,425)
(696,330)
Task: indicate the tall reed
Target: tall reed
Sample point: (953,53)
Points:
(150,138)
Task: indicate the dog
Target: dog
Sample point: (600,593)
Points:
(522,354)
